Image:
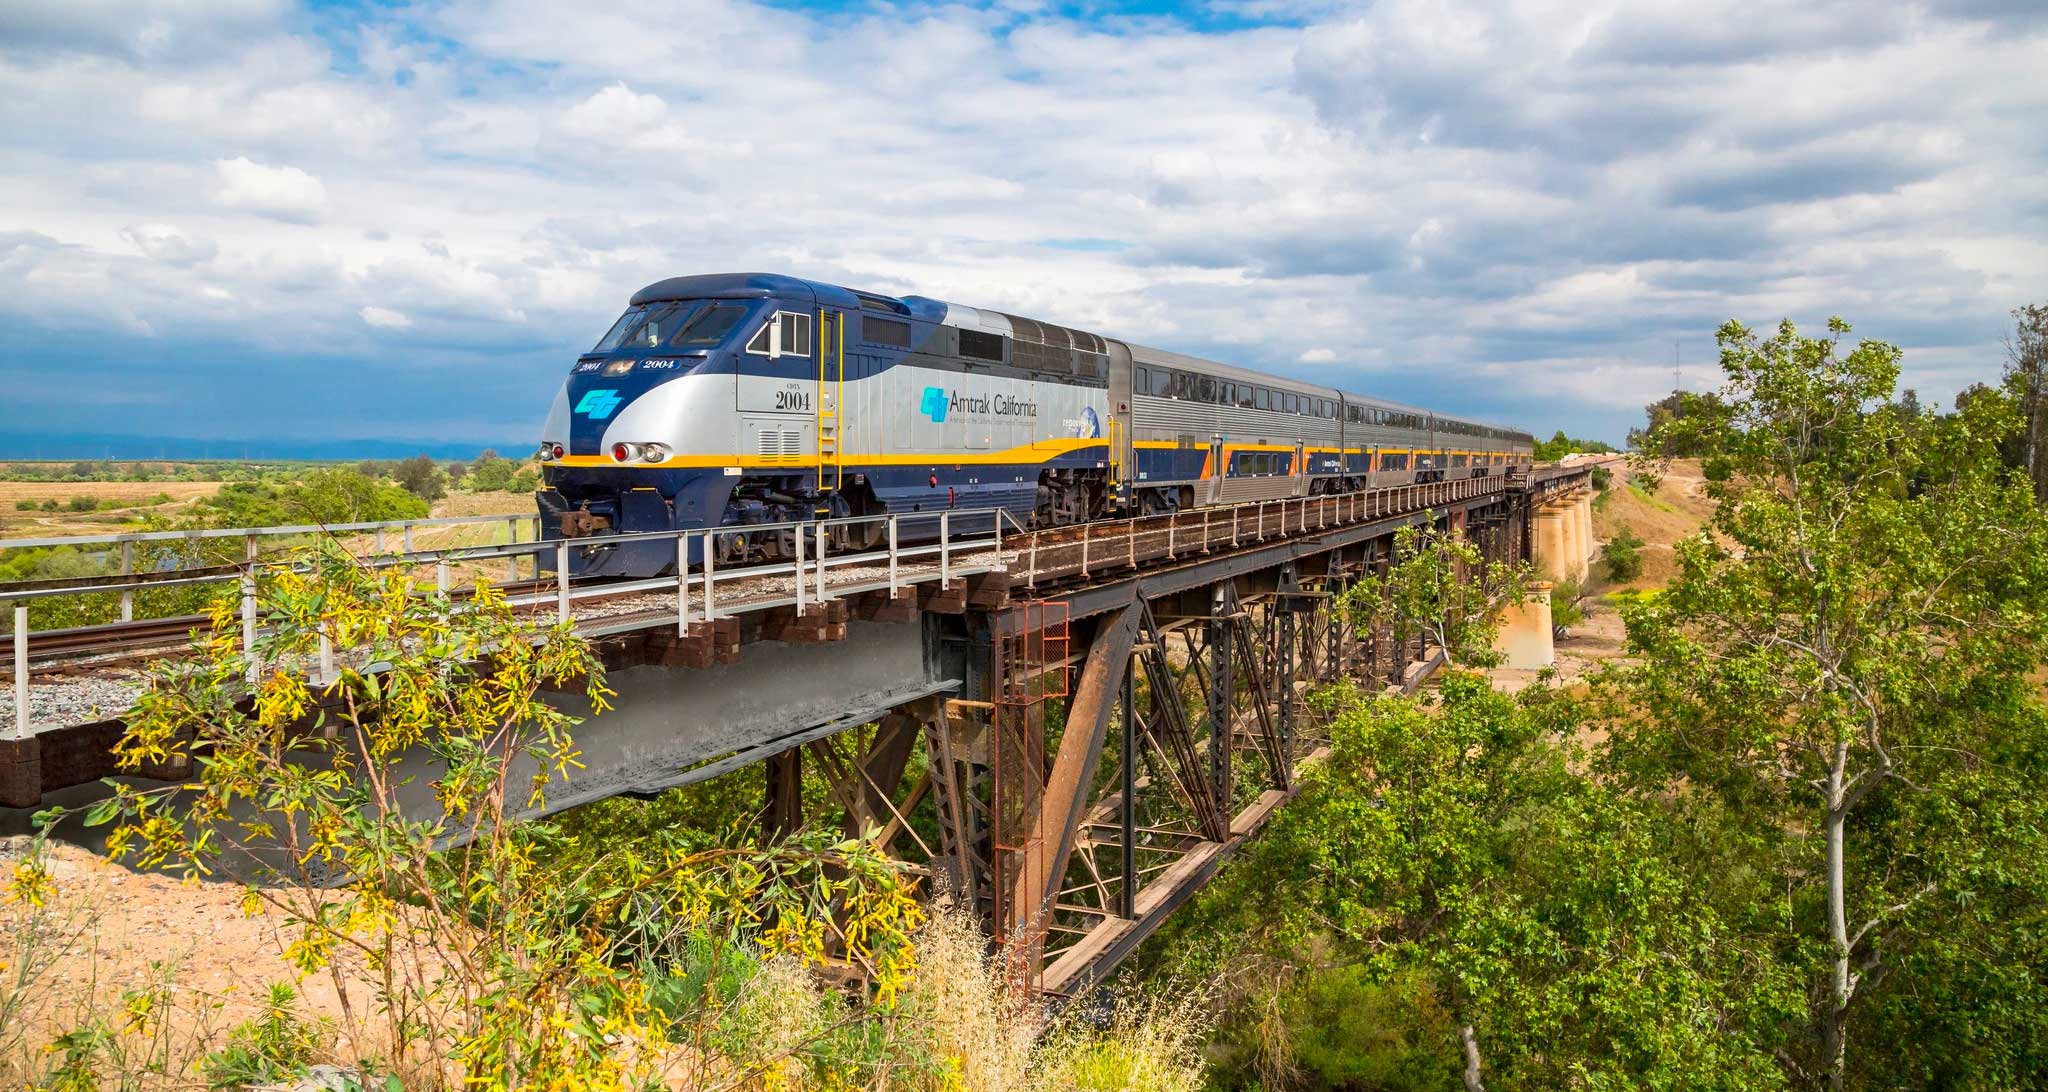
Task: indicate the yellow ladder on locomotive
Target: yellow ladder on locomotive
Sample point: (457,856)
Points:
(831,394)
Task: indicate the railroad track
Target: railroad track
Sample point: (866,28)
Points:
(87,648)
(122,640)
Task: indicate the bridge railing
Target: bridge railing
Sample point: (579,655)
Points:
(257,542)
(899,549)
(946,541)
(1084,550)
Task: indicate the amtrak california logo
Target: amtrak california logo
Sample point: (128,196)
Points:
(939,403)
(598,404)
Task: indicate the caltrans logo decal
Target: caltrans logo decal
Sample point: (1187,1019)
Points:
(598,404)
(934,405)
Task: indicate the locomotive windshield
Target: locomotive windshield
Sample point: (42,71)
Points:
(683,324)
(619,329)
(710,326)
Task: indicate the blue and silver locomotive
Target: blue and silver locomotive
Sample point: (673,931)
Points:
(738,399)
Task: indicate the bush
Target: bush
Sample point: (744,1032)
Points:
(1602,478)
(24,506)
(1624,556)
(326,496)
(49,504)
(1564,604)
(1352,1032)
(83,504)
(274,1046)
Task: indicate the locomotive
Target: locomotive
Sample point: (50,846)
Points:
(751,398)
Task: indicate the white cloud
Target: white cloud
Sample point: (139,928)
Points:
(615,112)
(286,193)
(169,245)
(1511,208)
(383,318)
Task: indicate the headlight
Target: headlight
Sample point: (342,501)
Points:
(547,452)
(624,453)
(653,453)
(619,367)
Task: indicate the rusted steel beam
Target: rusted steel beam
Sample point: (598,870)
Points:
(882,767)
(782,810)
(1065,799)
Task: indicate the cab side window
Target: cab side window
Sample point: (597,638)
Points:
(786,333)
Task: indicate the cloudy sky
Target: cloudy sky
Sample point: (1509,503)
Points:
(248,219)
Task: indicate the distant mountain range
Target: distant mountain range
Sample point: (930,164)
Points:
(88,445)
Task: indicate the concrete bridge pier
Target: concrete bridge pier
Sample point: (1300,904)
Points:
(1550,542)
(1584,508)
(1525,631)
(1561,538)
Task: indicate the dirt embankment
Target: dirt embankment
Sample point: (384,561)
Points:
(107,929)
(1676,509)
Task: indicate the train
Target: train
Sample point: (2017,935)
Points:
(730,400)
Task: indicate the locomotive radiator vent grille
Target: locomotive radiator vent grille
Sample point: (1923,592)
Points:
(780,444)
(1042,346)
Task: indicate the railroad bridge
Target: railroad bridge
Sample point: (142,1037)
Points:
(1071,729)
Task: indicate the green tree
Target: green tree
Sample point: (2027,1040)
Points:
(1660,438)
(331,496)
(1440,588)
(490,473)
(421,477)
(1847,657)
(2026,379)
(492,948)
(1454,855)
(1560,445)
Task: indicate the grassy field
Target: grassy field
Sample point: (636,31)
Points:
(13,492)
(131,499)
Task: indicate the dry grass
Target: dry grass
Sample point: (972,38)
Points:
(107,931)
(12,492)
(1151,1043)
(1677,509)
(485,504)
(38,524)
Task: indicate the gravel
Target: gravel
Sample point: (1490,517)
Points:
(81,699)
